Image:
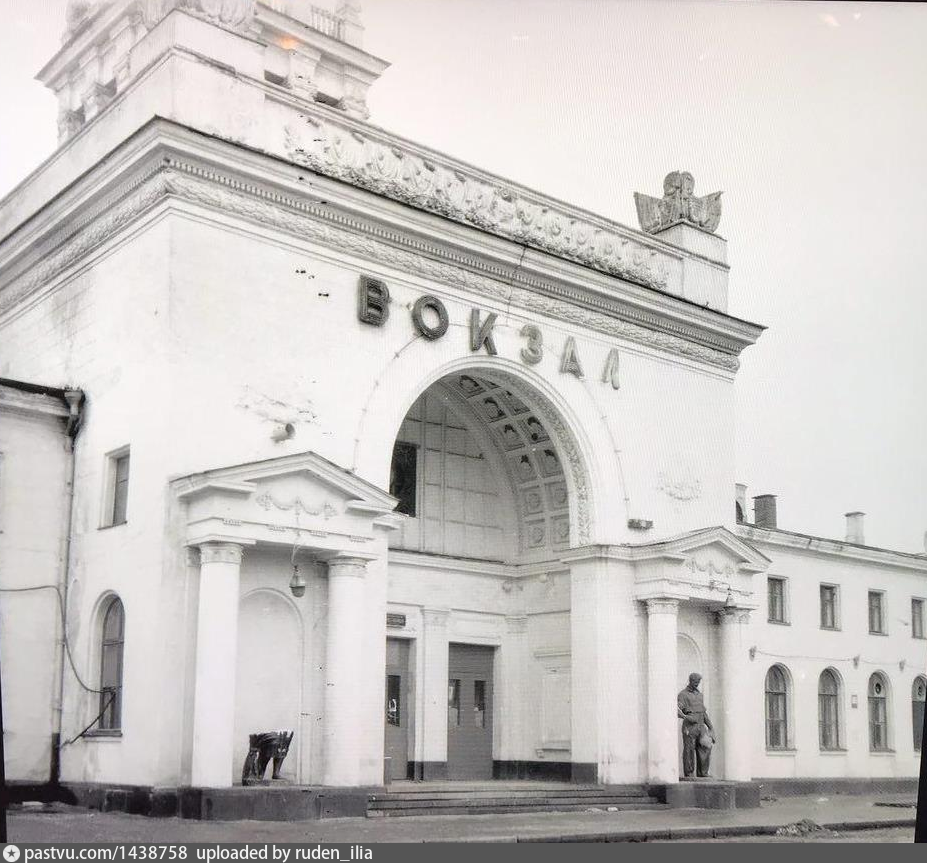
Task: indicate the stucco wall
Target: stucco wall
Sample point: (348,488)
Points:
(805,650)
(34,501)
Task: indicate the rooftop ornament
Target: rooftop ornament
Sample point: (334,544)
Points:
(678,206)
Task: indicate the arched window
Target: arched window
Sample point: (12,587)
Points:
(829,710)
(777,717)
(112,637)
(878,713)
(918,696)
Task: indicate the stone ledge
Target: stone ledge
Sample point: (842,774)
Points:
(789,787)
(254,803)
(712,795)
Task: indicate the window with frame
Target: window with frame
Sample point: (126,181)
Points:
(777,717)
(878,713)
(876,612)
(775,589)
(828,606)
(917,618)
(403,477)
(112,640)
(453,701)
(918,697)
(116,502)
(829,710)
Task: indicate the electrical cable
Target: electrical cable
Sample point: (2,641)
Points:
(854,659)
(61,611)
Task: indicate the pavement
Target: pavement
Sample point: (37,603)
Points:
(813,814)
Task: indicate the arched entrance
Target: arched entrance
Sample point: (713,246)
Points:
(492,493)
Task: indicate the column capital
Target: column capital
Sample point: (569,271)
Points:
(350,565)
(436,617)
(516,623)
(732,616)
(220,552)
(662,605)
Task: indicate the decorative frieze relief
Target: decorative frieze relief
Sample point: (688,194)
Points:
(679,489)
(268,501)
(229,13)
(319,224)
(710,569)
(385,167)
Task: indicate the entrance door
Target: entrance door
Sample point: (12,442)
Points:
(397,707)
(469,712)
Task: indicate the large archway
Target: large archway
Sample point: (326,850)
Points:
(516,430)
(492,491)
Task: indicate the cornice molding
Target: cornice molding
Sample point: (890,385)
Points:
(169,177)
(804,543)
(381,163)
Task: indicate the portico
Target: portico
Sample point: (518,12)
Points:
(325,519)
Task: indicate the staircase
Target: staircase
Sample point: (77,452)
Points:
(496,798)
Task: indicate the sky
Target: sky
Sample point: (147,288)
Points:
(810,116)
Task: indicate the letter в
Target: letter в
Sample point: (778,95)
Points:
(372,301)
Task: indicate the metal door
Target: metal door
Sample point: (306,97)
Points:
(397,707)
(469,712)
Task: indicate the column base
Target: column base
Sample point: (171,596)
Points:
(712,794)
(251,803)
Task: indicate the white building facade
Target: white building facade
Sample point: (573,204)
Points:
(374,446)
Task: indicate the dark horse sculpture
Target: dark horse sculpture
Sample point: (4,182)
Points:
(265,747)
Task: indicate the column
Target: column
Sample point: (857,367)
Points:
(344,659)
(216,656)
(662,726)
(434,693)
(511,694)
(607,737)
(734,736)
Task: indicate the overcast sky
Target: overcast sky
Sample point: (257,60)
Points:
(809,116)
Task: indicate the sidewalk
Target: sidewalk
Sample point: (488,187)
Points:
(840,812)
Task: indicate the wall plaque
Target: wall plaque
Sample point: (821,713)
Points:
(395,621)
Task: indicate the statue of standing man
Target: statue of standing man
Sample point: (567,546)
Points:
(697,734)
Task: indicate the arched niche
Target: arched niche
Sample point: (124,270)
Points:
(268,686)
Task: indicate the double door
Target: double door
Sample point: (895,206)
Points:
(469,712)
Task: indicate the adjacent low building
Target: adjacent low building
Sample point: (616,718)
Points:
(359,441)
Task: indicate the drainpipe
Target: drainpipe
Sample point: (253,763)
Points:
(75,400)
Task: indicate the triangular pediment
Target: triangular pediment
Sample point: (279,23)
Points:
(711,565)
(275,500)
(247,478)
(717,542)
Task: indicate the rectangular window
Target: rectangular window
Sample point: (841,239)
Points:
(393,700)
(116,493)
(479,703)
(828,721)
(776,592)
(776,721)
(828,606)
(876,613)
(403,477)
(878,725)
(453,702)
(917,618)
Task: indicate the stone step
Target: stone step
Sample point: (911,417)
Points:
(604,799)
(482,807)
(516,795)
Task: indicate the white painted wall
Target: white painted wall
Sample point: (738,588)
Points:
(805,650)
(34,478)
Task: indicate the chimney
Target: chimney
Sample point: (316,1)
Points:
(740,498)
(764,511)
(855,528)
